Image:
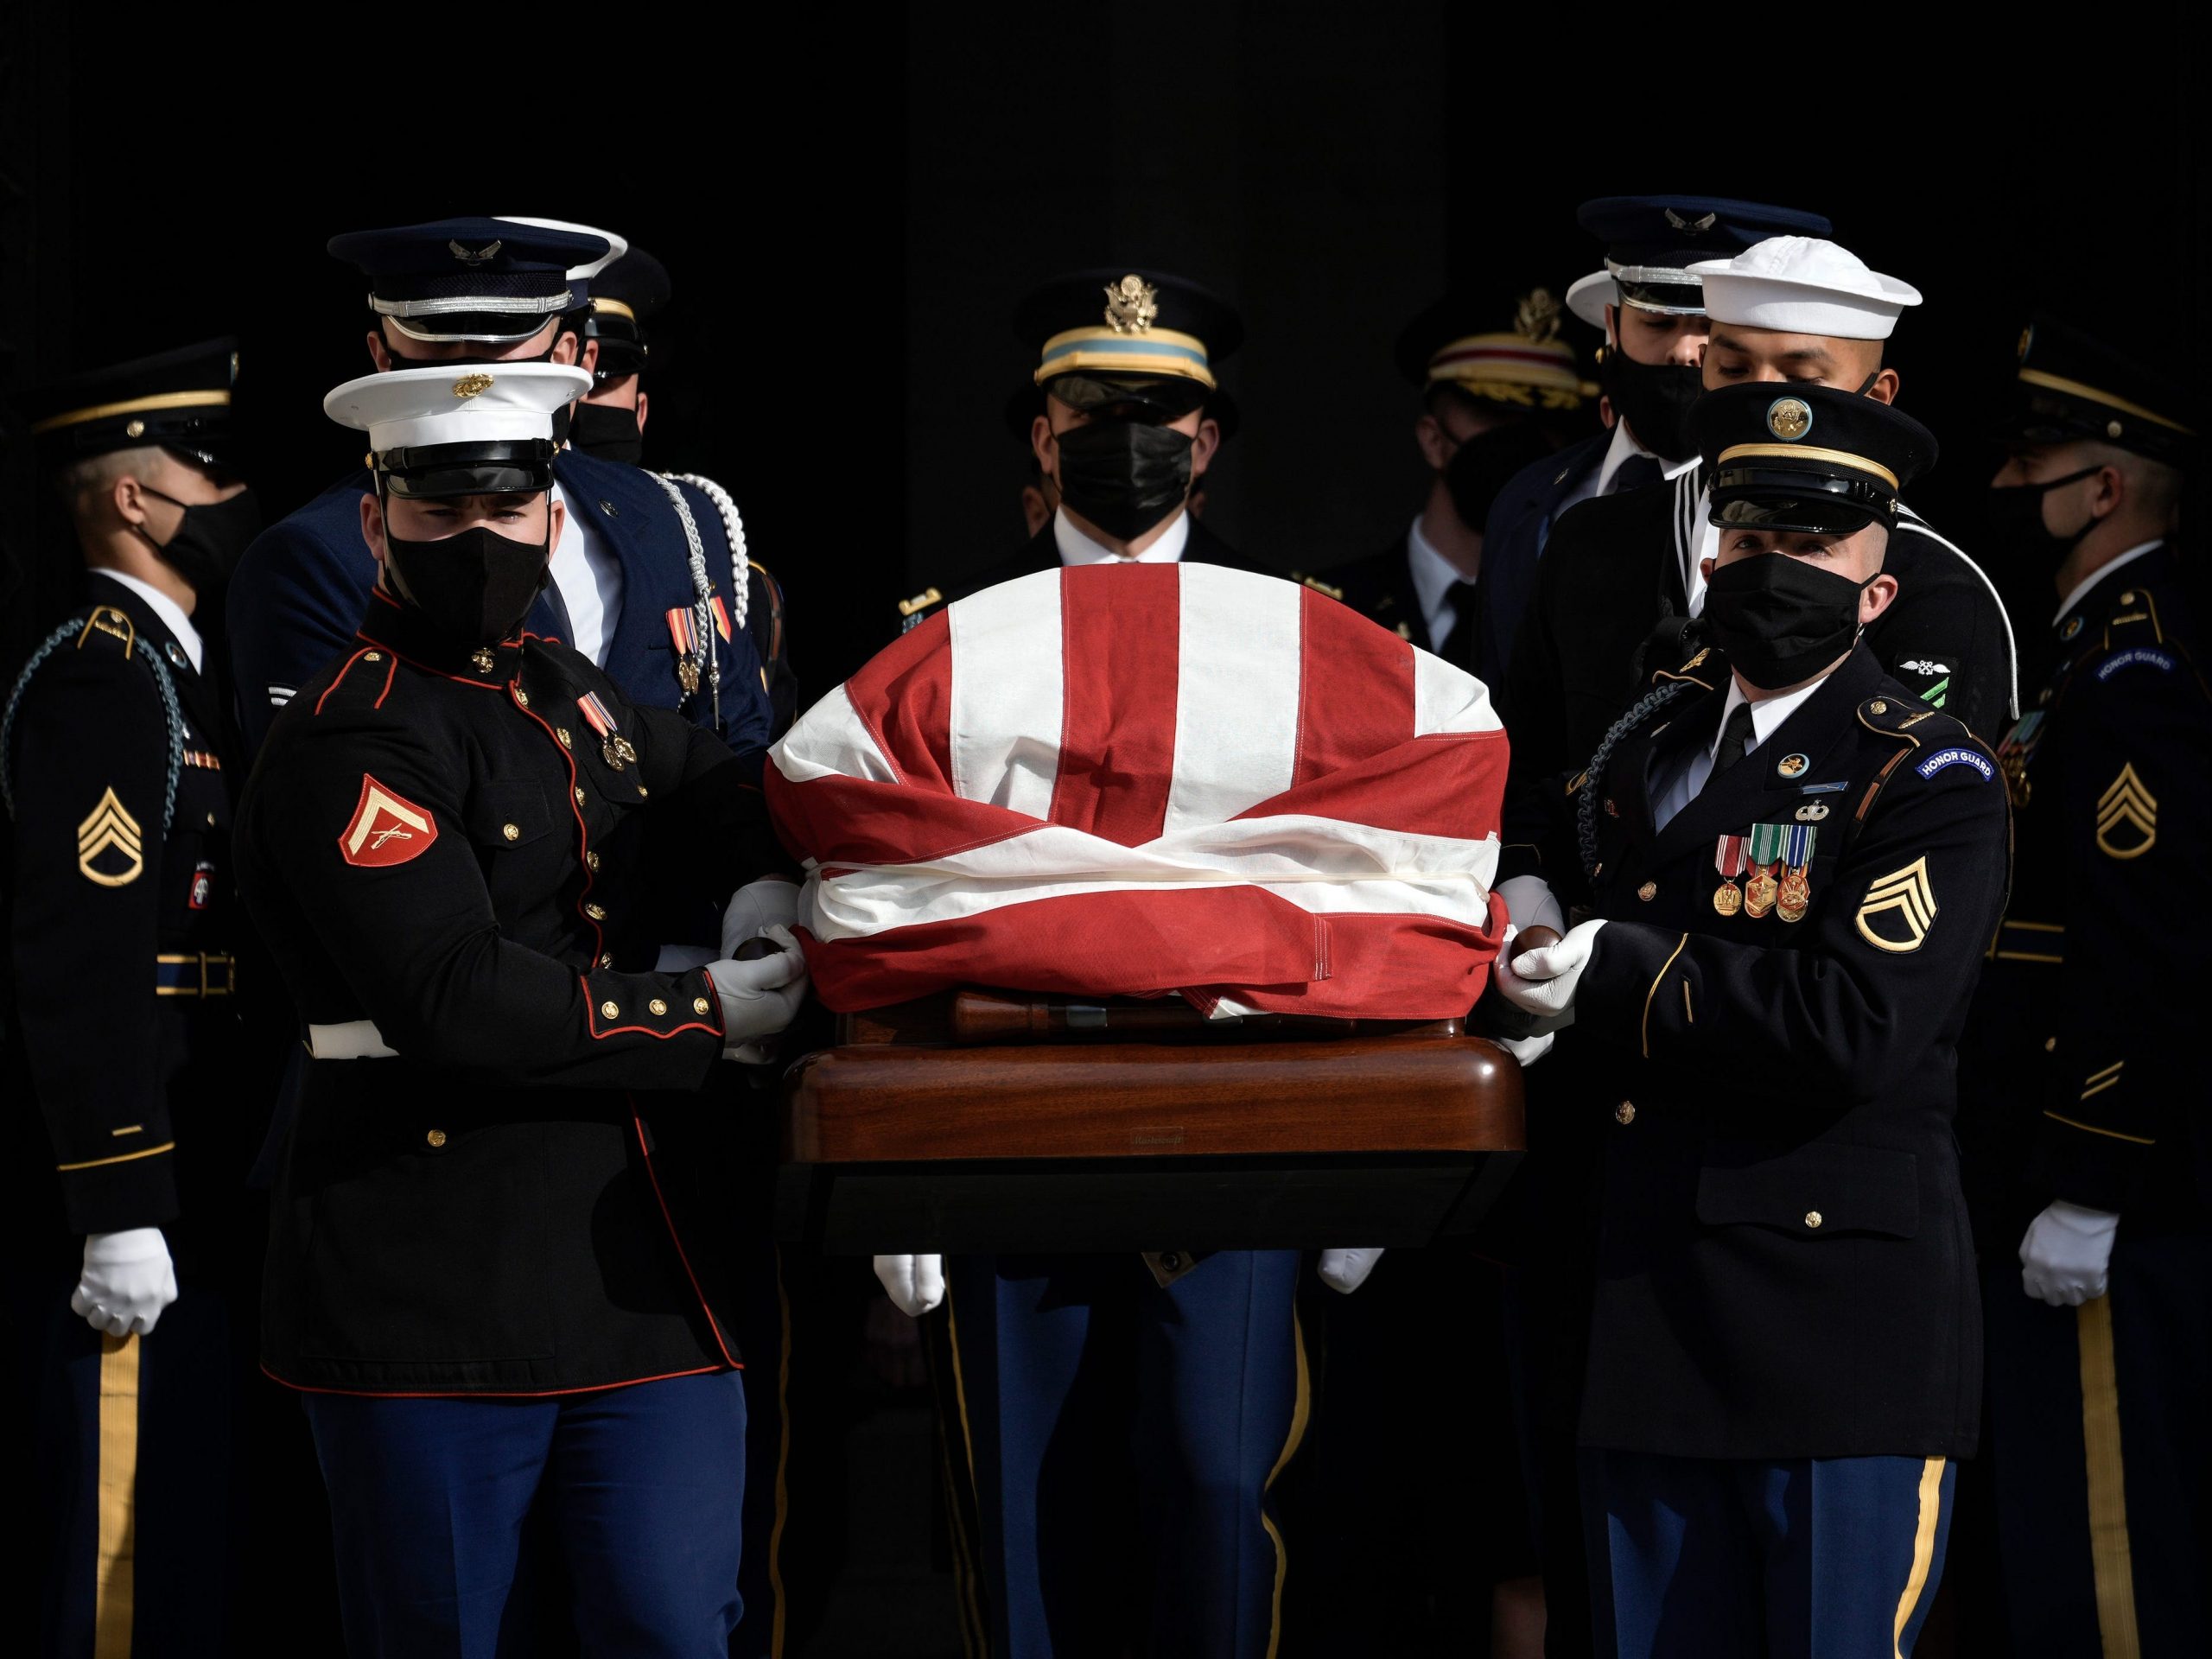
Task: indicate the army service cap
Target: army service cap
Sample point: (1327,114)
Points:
(624,295)
(1507,350)
(495,281)
(1122,335)
(2071,386)
(1820,460)
(460,430)
(1651,242)
(179,399)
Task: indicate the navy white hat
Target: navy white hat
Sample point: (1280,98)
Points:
(1792,456)
(1651,242)
(497,280)
(180,400)
(457,430)
(1804,285)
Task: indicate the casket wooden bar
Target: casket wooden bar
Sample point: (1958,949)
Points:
(899,1140)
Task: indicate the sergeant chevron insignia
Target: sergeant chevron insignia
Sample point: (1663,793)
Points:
(386,829)
(110,828)
(2127,816)
(1901,903)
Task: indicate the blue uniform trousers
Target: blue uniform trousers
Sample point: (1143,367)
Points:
(2101,1456)
(1793,1558)
(639,1488)
(1122,1437)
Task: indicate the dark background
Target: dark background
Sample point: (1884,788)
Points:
(850,202)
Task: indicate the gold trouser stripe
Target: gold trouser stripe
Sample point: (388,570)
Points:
(119,1158)
(2110,1560)
(967,1447)
(1923,1550)
(115,1580)
(2091,1128)
(783,1462)
(1300,1411)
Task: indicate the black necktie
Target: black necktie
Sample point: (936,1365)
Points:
(1735,738)
(1636,472)
(1459,644)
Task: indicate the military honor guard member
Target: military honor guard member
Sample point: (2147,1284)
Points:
(1651,307)
(2082,1081)
(1495,400)
(1794,865)
(1625,570)
(1126,429)
(479,1274)
(119,772)
(642,582)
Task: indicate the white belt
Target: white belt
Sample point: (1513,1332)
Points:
(356,1040)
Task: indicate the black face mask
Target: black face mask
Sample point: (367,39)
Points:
(1655,399)
(608,431)
(214,535)
(2014,517)
(1123,476)
(1780,620)
(475,588)
(1486,464)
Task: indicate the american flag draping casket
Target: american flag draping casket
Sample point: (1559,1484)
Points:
(1150,778)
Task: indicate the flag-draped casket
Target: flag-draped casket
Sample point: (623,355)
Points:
(1131,780)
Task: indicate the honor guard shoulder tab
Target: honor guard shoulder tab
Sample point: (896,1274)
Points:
(107,623)
(912,613)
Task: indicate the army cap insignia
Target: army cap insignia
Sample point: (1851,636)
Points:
(1898,910)
(1789,418)
(472,385)
(1132,304)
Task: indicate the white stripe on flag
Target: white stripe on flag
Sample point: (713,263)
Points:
(1448,699)
(1007,678)
(1240,656)
(831,740)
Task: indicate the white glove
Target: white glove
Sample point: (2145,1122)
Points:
(1531,903)
(760,997)
(128,1280)
(756,907)
(2064,1257)
(1528,1050)
(1347,1270)
(1542,982)
(916,1282)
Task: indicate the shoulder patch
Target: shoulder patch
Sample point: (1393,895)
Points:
(2135,656)
(1957,757)
(107,622)
(386,829)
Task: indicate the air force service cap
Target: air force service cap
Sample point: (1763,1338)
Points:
(1116,334)
(180,400)
(447,431)
(1821,460)
(498,281)
(2072,386)
(1458,341)
(1651,243)
(1804,285)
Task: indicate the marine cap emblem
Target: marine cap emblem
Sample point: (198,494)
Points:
(1789,418)
(1536,317)
(470,384)
(1132,304)
(487,252)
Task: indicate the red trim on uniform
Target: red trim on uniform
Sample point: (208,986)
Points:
(390,668)
(583,831)
(504,1393)
(341,678)
(597,1035)
(675,1238)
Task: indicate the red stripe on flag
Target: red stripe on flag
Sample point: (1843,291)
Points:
(1449,786)
(1355,690)
(850,821)
(904,695)
(1121,634)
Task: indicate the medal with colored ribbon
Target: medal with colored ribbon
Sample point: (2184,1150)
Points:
(1728,859)
(614,747)
(1795,893)
(685,637)
(1766,846)
(2014,753)
(722,615)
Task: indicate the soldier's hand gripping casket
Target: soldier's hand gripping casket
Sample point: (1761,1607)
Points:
(761,995)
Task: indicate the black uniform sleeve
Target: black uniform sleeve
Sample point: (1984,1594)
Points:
(1893,955)
(1531,706)
(90,777)
(2136,799)
(419,945)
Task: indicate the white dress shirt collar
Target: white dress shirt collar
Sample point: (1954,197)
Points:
(1767,713)
(2098,575)
(1076,548)
(172,615)
(1624,445)
(1433,576)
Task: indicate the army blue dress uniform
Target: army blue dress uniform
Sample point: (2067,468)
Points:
(1784,1353)
(124,935)
(495,282)
(1650,242)
(2086,1084)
